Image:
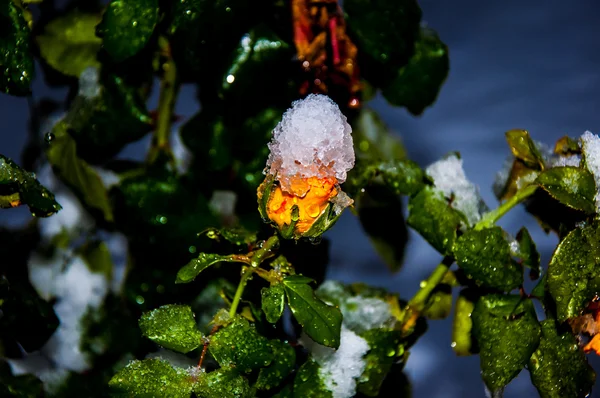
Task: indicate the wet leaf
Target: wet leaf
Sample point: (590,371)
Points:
(321,322)
(172,326)
(558,367)
(417,84)
(76,173)
(539,291)
(528,253)
(384,350)
(239,344)
(404,177)
(152,378)
(238,236)
(373,140)
(431,216)
(462,325)
(507,332)
(127,26)
(524,149)
(284,361)
(573,279)
(206,135)
(484,255)
(379,208)
(69,43)
(223,383)
(16,59)
(273,301)
(191,270)
(308,383)
(384,30)
(439,304)
(19,187)
(571,186)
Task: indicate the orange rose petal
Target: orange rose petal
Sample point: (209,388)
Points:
(593,345)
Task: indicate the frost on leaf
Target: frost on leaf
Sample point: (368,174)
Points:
(449,177)
(312,140)
(591,150)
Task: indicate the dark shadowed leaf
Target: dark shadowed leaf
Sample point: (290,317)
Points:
(172,326)
(571,186)
(127,26)
(384,350)
(96,255)
(507,332)
(223,383)
(484,255)
(417,84)
(431,216)
(283,363)
(528,253)
(16,59)
(308,383)
(373,140)
(69,43)
(151,378)
(558,367)
(23,386)
(19,187)
(239,344)
(573,278)
(320,321)
(273,301)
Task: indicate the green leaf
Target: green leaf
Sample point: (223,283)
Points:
(19,187)
(239,344)
(308,383)
(273,301)
(384,350)
(417,84)
(528,253)
(405,177)
(76,173)
(431,216)
(223,383)
(539,291)
(69,43)
(172,326)
(191,270)
(380,209)
(384,30)
(558,367)
(127,26)
(321,322)
(16,59)
(206,135)
(286,392)
(573,278)
(373,140)
(439,304)
(97,257)
(284,360)
(524,149)
(238,236)
(462,325)
(507,332)
(151,378)
(571,186)
(484,255)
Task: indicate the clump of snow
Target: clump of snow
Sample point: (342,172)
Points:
(365,313)
(37,364)
(502,176)
(313,139)
(449,177)
(590,144)
(339,369)
(183,156)
(562,161)
(89,83)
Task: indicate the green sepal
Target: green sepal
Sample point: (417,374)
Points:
(239,344)
(485,256)
(127,26)
(507,332)
(223,383)
(172,326)
(69,43)
(273,301)
(263,197)
(151,378)
(16,59)
(321,322)
(432,217)
(417,84)
(572,186)
(284,360)
(19,187)
(558,367)
(573,278)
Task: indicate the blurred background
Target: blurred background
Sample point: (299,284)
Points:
(514,64)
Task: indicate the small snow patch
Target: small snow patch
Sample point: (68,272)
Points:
(590,144)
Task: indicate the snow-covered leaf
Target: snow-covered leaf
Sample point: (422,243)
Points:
(571,186)
(172,326)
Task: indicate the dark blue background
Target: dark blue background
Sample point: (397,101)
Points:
(514,64)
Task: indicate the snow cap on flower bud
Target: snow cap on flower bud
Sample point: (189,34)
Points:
(311,153)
